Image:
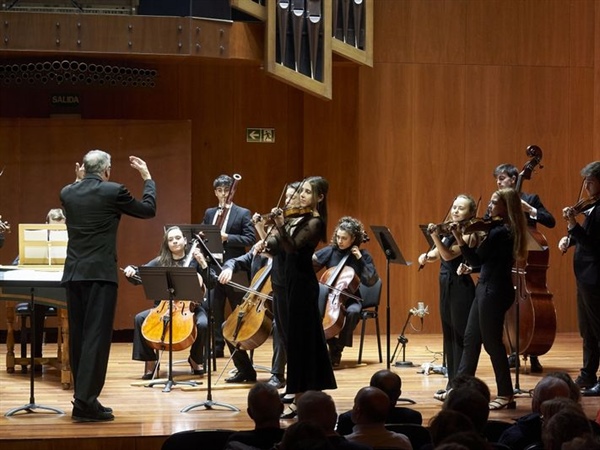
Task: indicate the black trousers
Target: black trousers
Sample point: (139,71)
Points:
(485,326)
(588,317)
(91,306)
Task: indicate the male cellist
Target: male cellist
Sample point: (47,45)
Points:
(506,176)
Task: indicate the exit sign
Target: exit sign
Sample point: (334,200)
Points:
(260,135)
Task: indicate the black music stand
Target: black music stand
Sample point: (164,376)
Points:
(532,246)
(32,406)
(178,283)
(209,402)
(392,255)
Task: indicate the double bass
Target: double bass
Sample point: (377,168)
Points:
(534,306)
(250,323)
(155,328)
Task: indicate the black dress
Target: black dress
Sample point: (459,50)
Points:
(309,366)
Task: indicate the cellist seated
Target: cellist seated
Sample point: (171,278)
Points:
(344,249)
(173,253)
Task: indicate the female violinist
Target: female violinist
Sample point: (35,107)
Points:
(347,237)
(172,254)
(309,366)
(457,290)
(494,293)
(280,307)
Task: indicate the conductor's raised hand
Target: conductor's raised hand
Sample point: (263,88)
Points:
(140,165)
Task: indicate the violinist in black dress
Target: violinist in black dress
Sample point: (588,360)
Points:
(348,235)
(309,366)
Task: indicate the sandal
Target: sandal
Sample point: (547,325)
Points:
(441,394)
(503,402)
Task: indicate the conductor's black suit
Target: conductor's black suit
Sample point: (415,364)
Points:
(93,208)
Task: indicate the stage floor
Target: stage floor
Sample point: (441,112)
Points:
(146,416)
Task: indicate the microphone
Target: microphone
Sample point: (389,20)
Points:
(420,311)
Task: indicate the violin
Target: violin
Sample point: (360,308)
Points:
(481,225)
(340,281)
(155,328)
(250,323)
(584,204)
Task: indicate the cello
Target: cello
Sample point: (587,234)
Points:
(342,282)
(155,328)
(533,306)
(250,323)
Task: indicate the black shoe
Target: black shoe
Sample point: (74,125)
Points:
(195,371)
(535,366)
(91,415)
(242,377)
(291,413)
(336,357)
(219,353)
(150,373)
(585,382)
(594,391)
(103,408)
(277,381)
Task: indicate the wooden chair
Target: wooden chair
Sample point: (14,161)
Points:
(371,296)
(23,312)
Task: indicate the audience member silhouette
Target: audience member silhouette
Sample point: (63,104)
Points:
(564,426)
(528,429)
(390,383)
(371,407)
(304,436)
(264,408)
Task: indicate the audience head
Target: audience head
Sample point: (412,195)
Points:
(317,408)
(587,442)
(471,403)
(264,405)
(546,389)
(473,382)
(448,422)
(555,405)
(575,391)
(389,382)
(371,405)
(304,436)
(466,439)
(564,426)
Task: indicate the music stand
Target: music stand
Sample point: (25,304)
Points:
(392,255)
(32,406)
(209,402)
(532,246)
(177,283)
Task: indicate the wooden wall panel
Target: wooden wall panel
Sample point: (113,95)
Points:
(426,31)
(40,158)
(523,32)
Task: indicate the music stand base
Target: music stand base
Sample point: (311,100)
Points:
(407,400)
(208,404)
(404,364)
(170,383)
(31,407)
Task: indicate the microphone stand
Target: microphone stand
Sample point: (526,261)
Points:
(209,402)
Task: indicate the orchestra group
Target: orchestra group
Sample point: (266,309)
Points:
(308,298)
